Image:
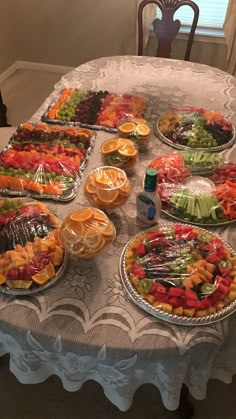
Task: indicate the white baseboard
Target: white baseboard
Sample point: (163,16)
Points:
(29,65)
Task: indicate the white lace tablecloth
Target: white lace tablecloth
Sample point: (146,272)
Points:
(85,327)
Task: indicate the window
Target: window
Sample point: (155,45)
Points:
(211,17)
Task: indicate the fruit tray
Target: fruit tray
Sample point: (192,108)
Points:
(197,187)
(45,162)
(97,110)
(181,274)
(31,256)
(195,128)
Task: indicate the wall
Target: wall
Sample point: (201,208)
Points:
(8,36)
(70,32)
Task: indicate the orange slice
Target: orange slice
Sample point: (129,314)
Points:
(107,196)
(82,215)
(127,127)
(45,275)
(108,231)
(110,146)
(99,215)
(143,130)
(139,121)
(85,131)
(43,127)
(89,187)
(27,125)
(128,150)
(55,128)
(12,283)
(105,178)
(125,189)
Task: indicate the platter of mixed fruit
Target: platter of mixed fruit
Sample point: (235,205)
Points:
(197,187)
(195,128)
(43,161)
(180,273)
(99,110)
(31,256)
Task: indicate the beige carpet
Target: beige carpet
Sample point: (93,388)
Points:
(23,93)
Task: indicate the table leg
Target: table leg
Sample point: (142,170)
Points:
(3,113)
(185,409)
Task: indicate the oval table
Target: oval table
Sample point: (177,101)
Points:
(85,327)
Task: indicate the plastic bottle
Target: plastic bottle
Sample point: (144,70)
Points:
(148,201)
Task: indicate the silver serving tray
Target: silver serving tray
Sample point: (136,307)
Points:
(171,318)
(166,140)
(183,220)
(45,118)
(37,288)
(61,198)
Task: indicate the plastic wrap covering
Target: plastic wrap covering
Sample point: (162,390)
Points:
(30,249)
(120,152)
(86,232)
(194,127)
(107,187)
(182,270)
(137,130)
(46,162)
(95,109)
(197,187)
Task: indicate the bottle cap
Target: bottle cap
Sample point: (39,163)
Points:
(150,180)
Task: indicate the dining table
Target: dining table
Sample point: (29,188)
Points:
(85,327)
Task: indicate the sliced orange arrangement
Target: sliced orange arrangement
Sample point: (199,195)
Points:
(96,232)
(119,152)
(107,187)
(140,132)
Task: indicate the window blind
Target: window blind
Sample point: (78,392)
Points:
(211,14)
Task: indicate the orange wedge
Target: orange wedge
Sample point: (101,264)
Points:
(41,127)
(82,215)
(110,146)
(128,150)
(139,121)
(45,275)
(106,195)
(127,127)
(143,130)
(55,128)
(12,283)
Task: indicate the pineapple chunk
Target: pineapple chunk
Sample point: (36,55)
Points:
(201,313)
(232,295)
(150,298)
(211,310)
(179,311)
(189,312)
(158,305)
(167,308)
(232,287)
(220,305)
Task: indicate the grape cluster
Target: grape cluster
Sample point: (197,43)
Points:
(87,110)
(221,136)
(68,111)
(199,137)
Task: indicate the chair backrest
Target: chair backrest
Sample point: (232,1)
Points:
(167,28)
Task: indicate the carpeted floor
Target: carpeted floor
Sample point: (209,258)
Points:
(23,94)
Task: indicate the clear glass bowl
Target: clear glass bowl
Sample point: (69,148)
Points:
(86,232)
(107,187)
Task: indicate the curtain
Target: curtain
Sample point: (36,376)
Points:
(149,14)
(230,36)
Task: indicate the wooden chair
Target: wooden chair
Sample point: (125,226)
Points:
(167,28)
